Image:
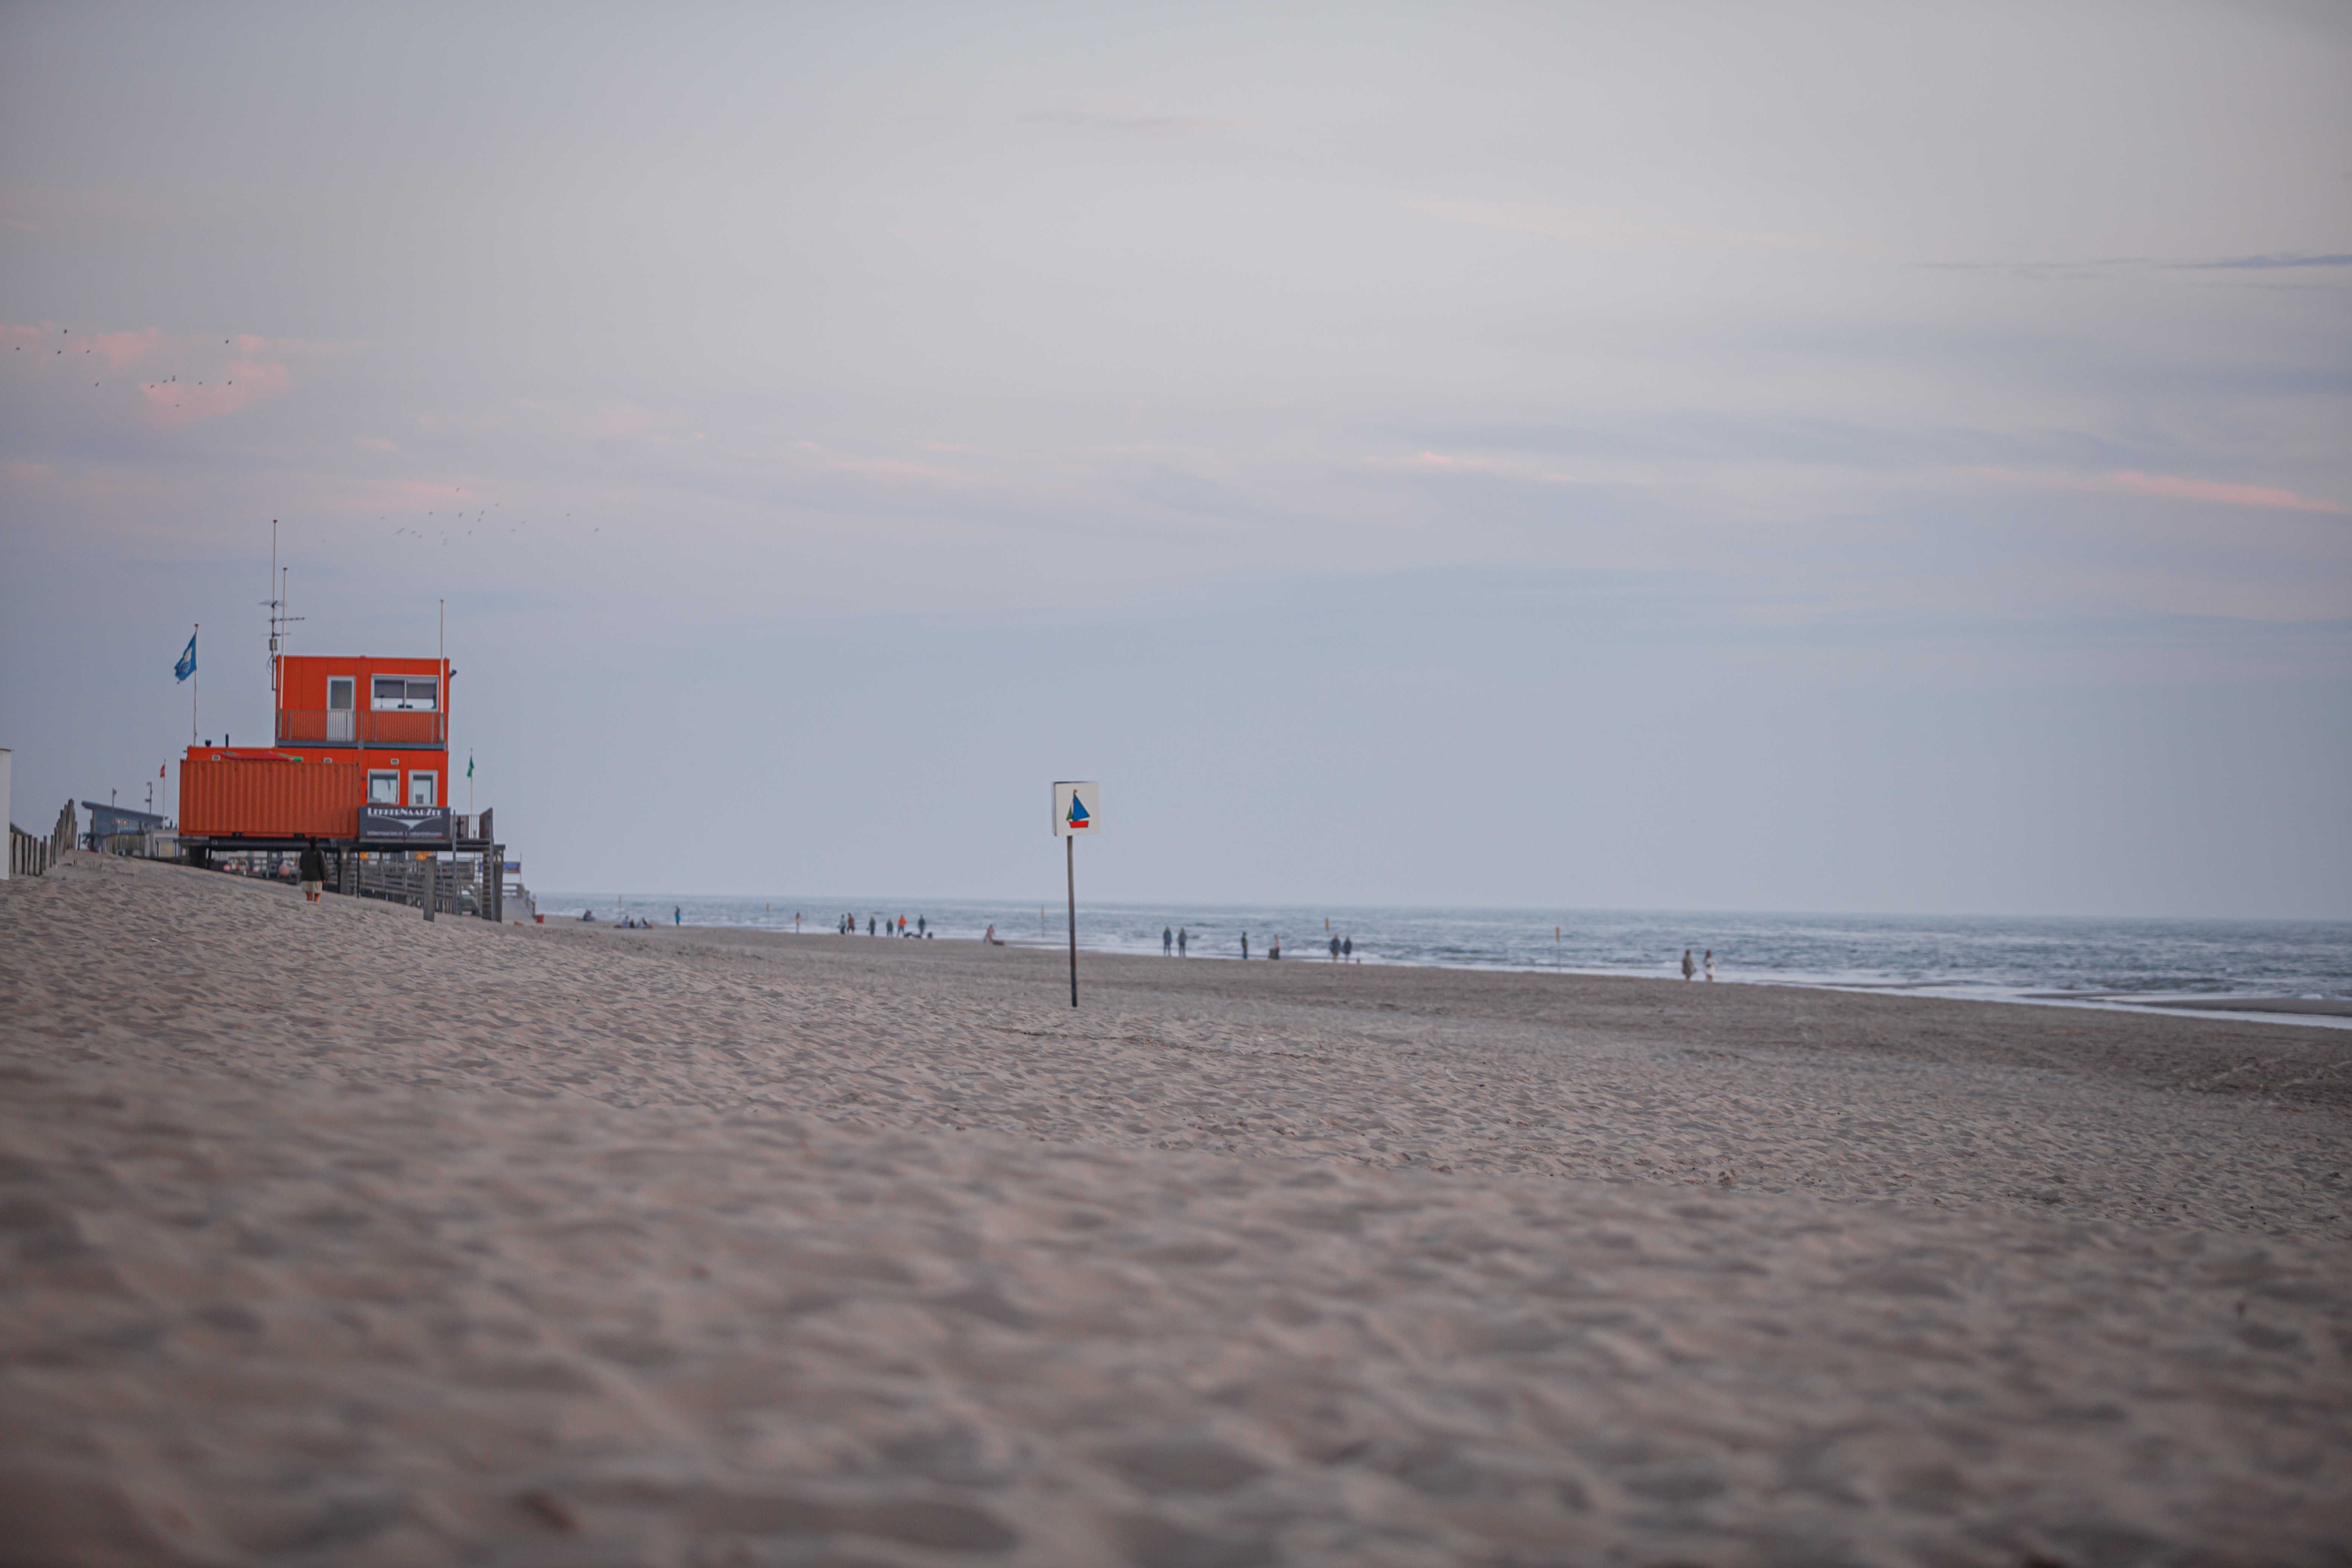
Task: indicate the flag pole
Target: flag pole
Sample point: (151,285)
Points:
(195,683)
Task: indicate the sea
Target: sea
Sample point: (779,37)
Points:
(2103,962)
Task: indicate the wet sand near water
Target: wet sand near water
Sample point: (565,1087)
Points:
(334,1236)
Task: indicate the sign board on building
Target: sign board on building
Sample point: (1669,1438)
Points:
(417,825)
(1078,808)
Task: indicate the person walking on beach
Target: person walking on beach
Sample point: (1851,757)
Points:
(1181,942)
(1274,948)
(1689,968)
(1244,947)
(1346,947)
(1335,950)
(676,915)
(312,870)
(1167,941)
(1710,967)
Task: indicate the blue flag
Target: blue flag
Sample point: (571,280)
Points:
(187,665)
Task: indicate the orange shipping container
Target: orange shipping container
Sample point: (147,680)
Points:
(270,798)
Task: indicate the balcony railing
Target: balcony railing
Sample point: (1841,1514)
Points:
(347,727)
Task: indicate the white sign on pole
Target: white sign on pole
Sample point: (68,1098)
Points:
(1078,808)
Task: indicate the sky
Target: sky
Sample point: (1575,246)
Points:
(1828,457)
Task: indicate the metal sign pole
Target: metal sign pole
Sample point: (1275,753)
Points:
(1077,808)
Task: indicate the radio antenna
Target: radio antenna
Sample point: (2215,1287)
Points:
(278,621)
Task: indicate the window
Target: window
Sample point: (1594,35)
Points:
(405,694)
(339,693)
(384,789)
(421,789)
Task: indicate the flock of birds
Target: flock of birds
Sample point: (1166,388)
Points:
(479,516)
(418,534)
(150,386)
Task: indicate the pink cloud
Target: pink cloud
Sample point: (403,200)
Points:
(180,380)
(38,211)
(245,384)
(809,453)
(1128,117)
(1485,468)
(624,421)
(2170,487)
(112,501)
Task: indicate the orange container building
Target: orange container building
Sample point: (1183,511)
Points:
(361,765)
(389,715)
(269,795)
(352,730)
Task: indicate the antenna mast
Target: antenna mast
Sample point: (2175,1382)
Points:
(278,621)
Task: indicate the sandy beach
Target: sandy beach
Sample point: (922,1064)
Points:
(336,1237)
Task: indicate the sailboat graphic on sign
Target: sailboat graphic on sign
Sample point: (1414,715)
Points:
(1077,807)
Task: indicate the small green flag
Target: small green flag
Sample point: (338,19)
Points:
(469,764)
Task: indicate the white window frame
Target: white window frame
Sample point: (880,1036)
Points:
(432,780)
(405,703)
(374,774)
(351,681)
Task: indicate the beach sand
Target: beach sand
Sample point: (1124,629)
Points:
(335,1237)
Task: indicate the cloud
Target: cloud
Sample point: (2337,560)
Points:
(2272,262)
(1597,225)
(1127,118)
(1447,464)
(624,421)
(2170,487)
(180,380)
(2110,266)
(45,211)
(808,456)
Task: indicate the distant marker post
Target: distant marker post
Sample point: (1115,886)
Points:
(1077,808)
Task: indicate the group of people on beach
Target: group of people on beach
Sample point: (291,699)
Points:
(1690,969)
(877,926)
(1341,948)
(632,922)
